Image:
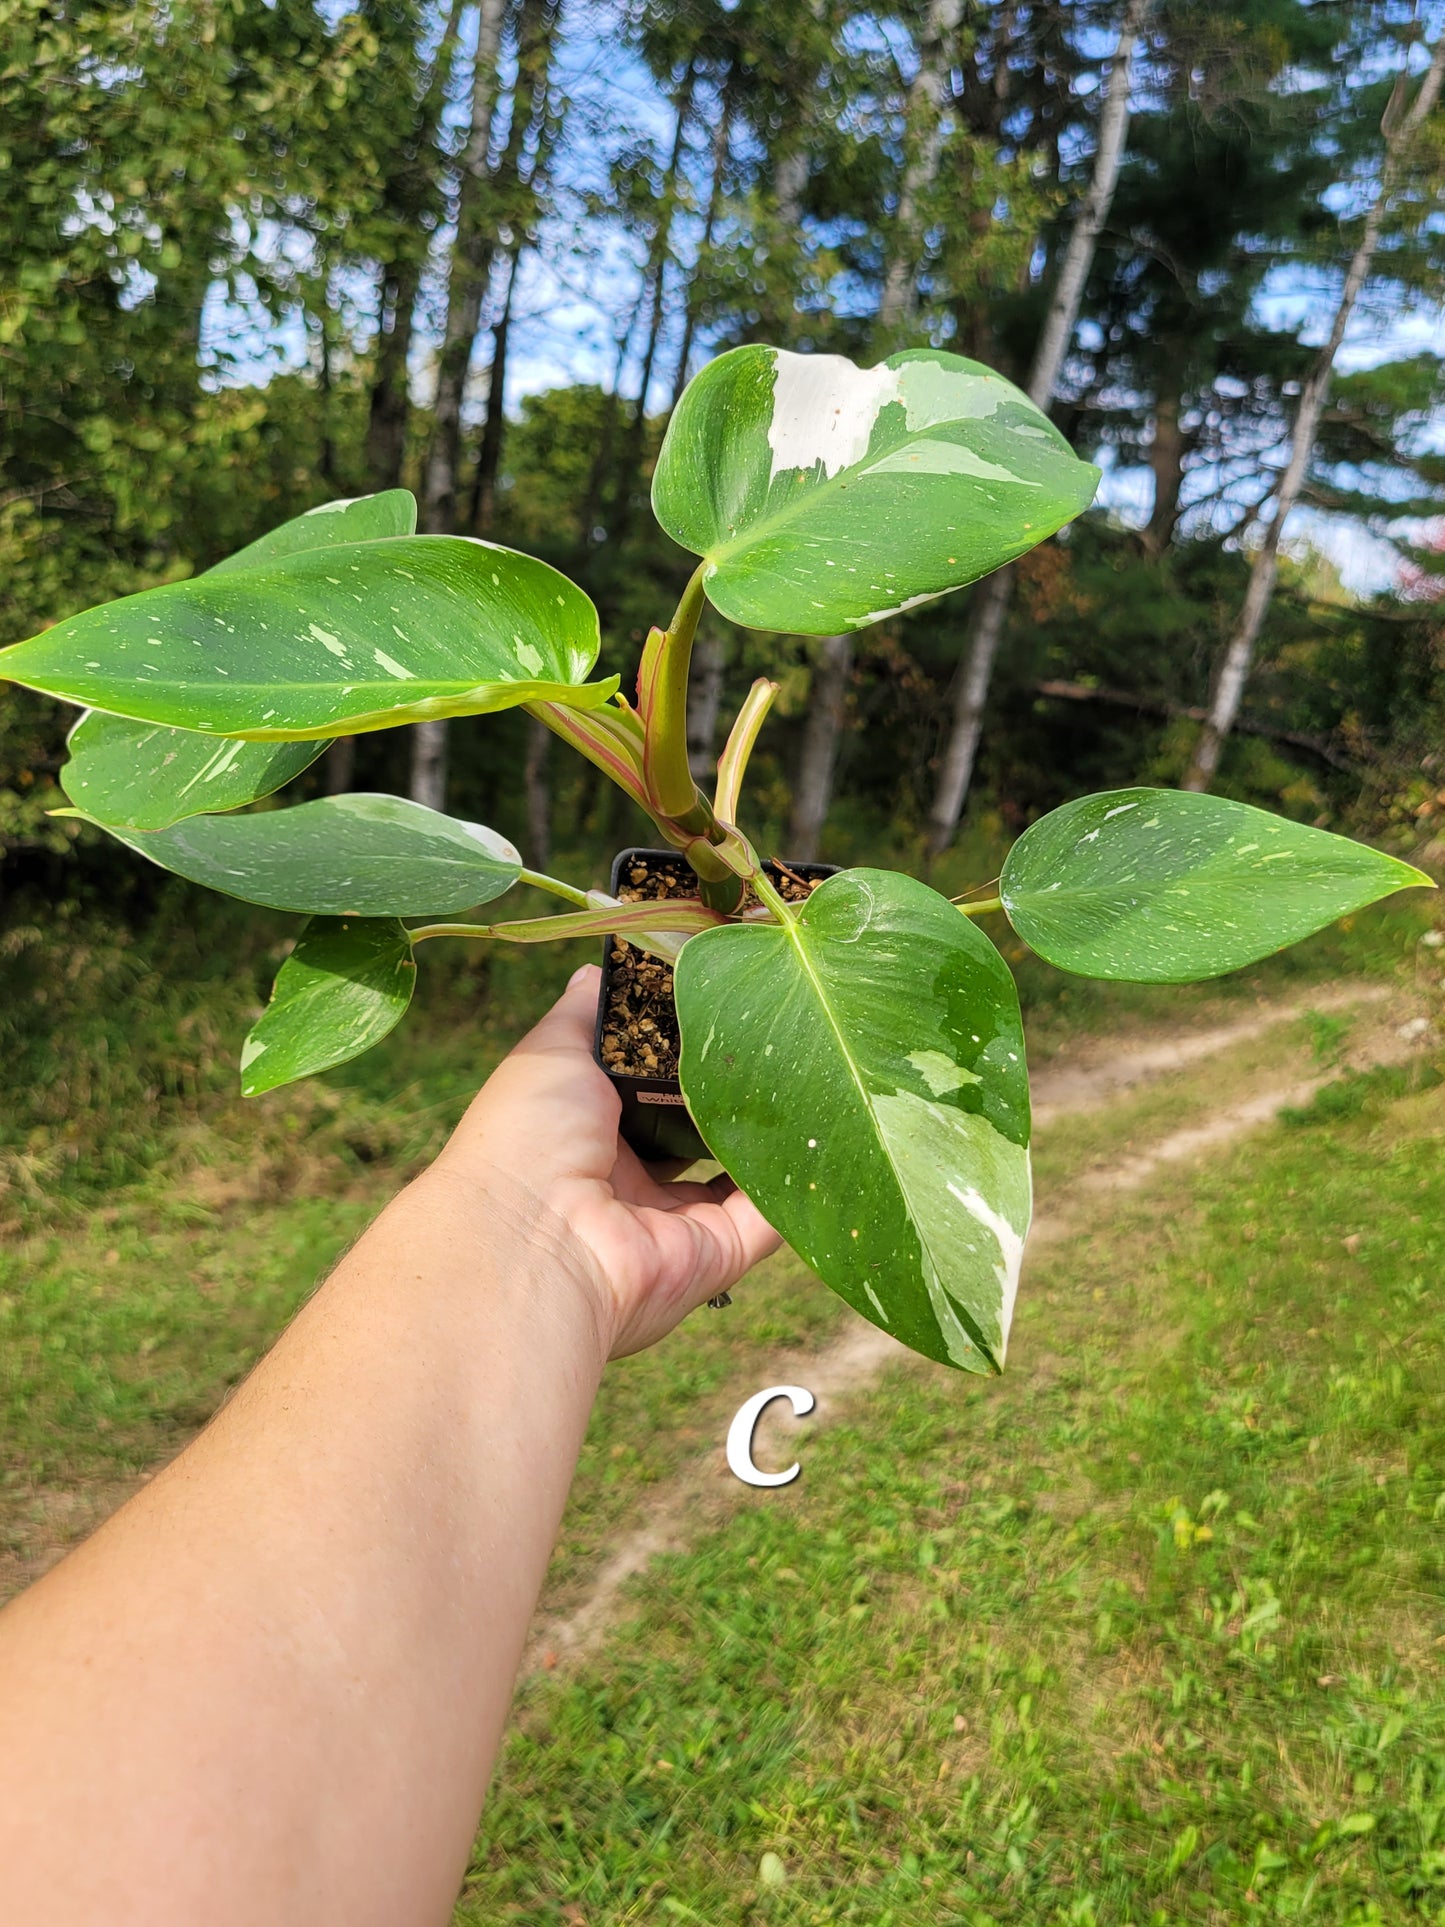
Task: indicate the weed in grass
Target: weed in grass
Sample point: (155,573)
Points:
(1329,1034)
(1357,1091)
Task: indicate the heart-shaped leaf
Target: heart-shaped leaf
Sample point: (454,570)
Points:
(362,856)
(1166,886)
(366,518)
(329,642)
(860,1073)
(824,497)
(143,776)
(345,985)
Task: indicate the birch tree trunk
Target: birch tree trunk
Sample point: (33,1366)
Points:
(428,783)
(1398,128)
(827,704)
(924,136)
(991,601)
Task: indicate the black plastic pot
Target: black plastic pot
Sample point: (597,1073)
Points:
(655,1119)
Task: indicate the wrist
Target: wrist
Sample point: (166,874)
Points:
(510,1239)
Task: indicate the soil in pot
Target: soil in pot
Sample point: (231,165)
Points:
(637,1035)
(639,1018)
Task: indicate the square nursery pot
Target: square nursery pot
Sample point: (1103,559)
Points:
(655,1119)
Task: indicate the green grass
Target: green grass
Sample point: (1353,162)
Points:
(1024,1558)
(1149,1631)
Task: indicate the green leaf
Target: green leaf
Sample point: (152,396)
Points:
(345,985)
(1165,886)
(860,1073)
(329,642)
(361,856)
(366,518)
(143,776)
(824,497)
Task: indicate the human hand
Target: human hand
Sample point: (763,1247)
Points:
(543,1131)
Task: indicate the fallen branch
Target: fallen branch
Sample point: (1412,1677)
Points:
(1080,692)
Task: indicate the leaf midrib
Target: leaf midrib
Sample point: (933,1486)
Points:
(793,929)
(831,485)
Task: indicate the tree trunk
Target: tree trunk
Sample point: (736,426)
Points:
(325,389)
(429,764)
(790,184)
(704,705)
(593,501)
(1166,459)
(403,198)
(923,137)
(471,267)
(985,633)
(1063,314)
(338,767)
(1234,671)
(991,603)
(538,792)
(390,404)
(655,279)
(721,141)
(478,233)
(494,428)
(826,707)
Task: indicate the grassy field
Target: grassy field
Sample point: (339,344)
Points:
(1142,1633)
(1148,1631)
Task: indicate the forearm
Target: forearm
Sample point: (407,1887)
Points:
(298,1644)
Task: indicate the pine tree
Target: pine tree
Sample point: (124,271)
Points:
(1404,117)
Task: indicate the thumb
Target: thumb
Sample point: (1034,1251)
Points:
(571,1023)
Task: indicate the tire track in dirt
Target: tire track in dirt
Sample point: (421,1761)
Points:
(704,1492)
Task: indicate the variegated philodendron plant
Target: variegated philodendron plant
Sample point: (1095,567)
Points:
(857,1063)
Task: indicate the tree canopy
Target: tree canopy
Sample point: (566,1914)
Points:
(256,258)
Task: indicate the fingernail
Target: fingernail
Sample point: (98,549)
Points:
(577,975)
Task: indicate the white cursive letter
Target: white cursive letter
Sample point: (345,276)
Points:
(740,1433)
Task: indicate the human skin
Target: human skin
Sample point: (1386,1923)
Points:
(272,1686)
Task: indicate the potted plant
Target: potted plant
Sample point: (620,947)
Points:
(854,1056)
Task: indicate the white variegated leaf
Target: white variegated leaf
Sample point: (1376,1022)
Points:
(823,496)
(860,1073)
(1166,886)
(363,856)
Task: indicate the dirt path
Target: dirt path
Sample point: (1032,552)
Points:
(1088,1077)
(1082,1079)
(704,1491)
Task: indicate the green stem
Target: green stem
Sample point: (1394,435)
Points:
(662,703)
(610,738)
(555,888)
(679,918)
(784,912)
(982,908)
(732,764)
